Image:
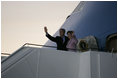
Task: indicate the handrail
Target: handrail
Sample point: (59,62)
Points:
(14,62)
(39,45)
(24,46)
(12,54)
(44,46)
(29,44)
(5,53)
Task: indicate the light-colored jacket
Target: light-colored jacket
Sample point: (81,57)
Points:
(71,45)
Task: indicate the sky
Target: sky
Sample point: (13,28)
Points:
(23,21)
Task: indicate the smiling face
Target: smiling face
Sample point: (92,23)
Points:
(69,35)
(62,32)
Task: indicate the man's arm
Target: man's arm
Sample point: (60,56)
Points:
(49,36)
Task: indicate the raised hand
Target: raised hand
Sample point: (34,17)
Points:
(45,29)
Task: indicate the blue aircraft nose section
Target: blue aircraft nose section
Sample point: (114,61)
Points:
(97,18)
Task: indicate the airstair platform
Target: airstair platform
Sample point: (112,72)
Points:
(33,62)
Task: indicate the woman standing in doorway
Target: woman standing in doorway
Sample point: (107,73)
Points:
(71,45)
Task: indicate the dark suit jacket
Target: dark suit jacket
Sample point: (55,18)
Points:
(59,41)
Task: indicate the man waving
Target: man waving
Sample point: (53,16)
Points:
(61,40)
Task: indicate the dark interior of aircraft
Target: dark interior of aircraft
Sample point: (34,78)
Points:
(111,43)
